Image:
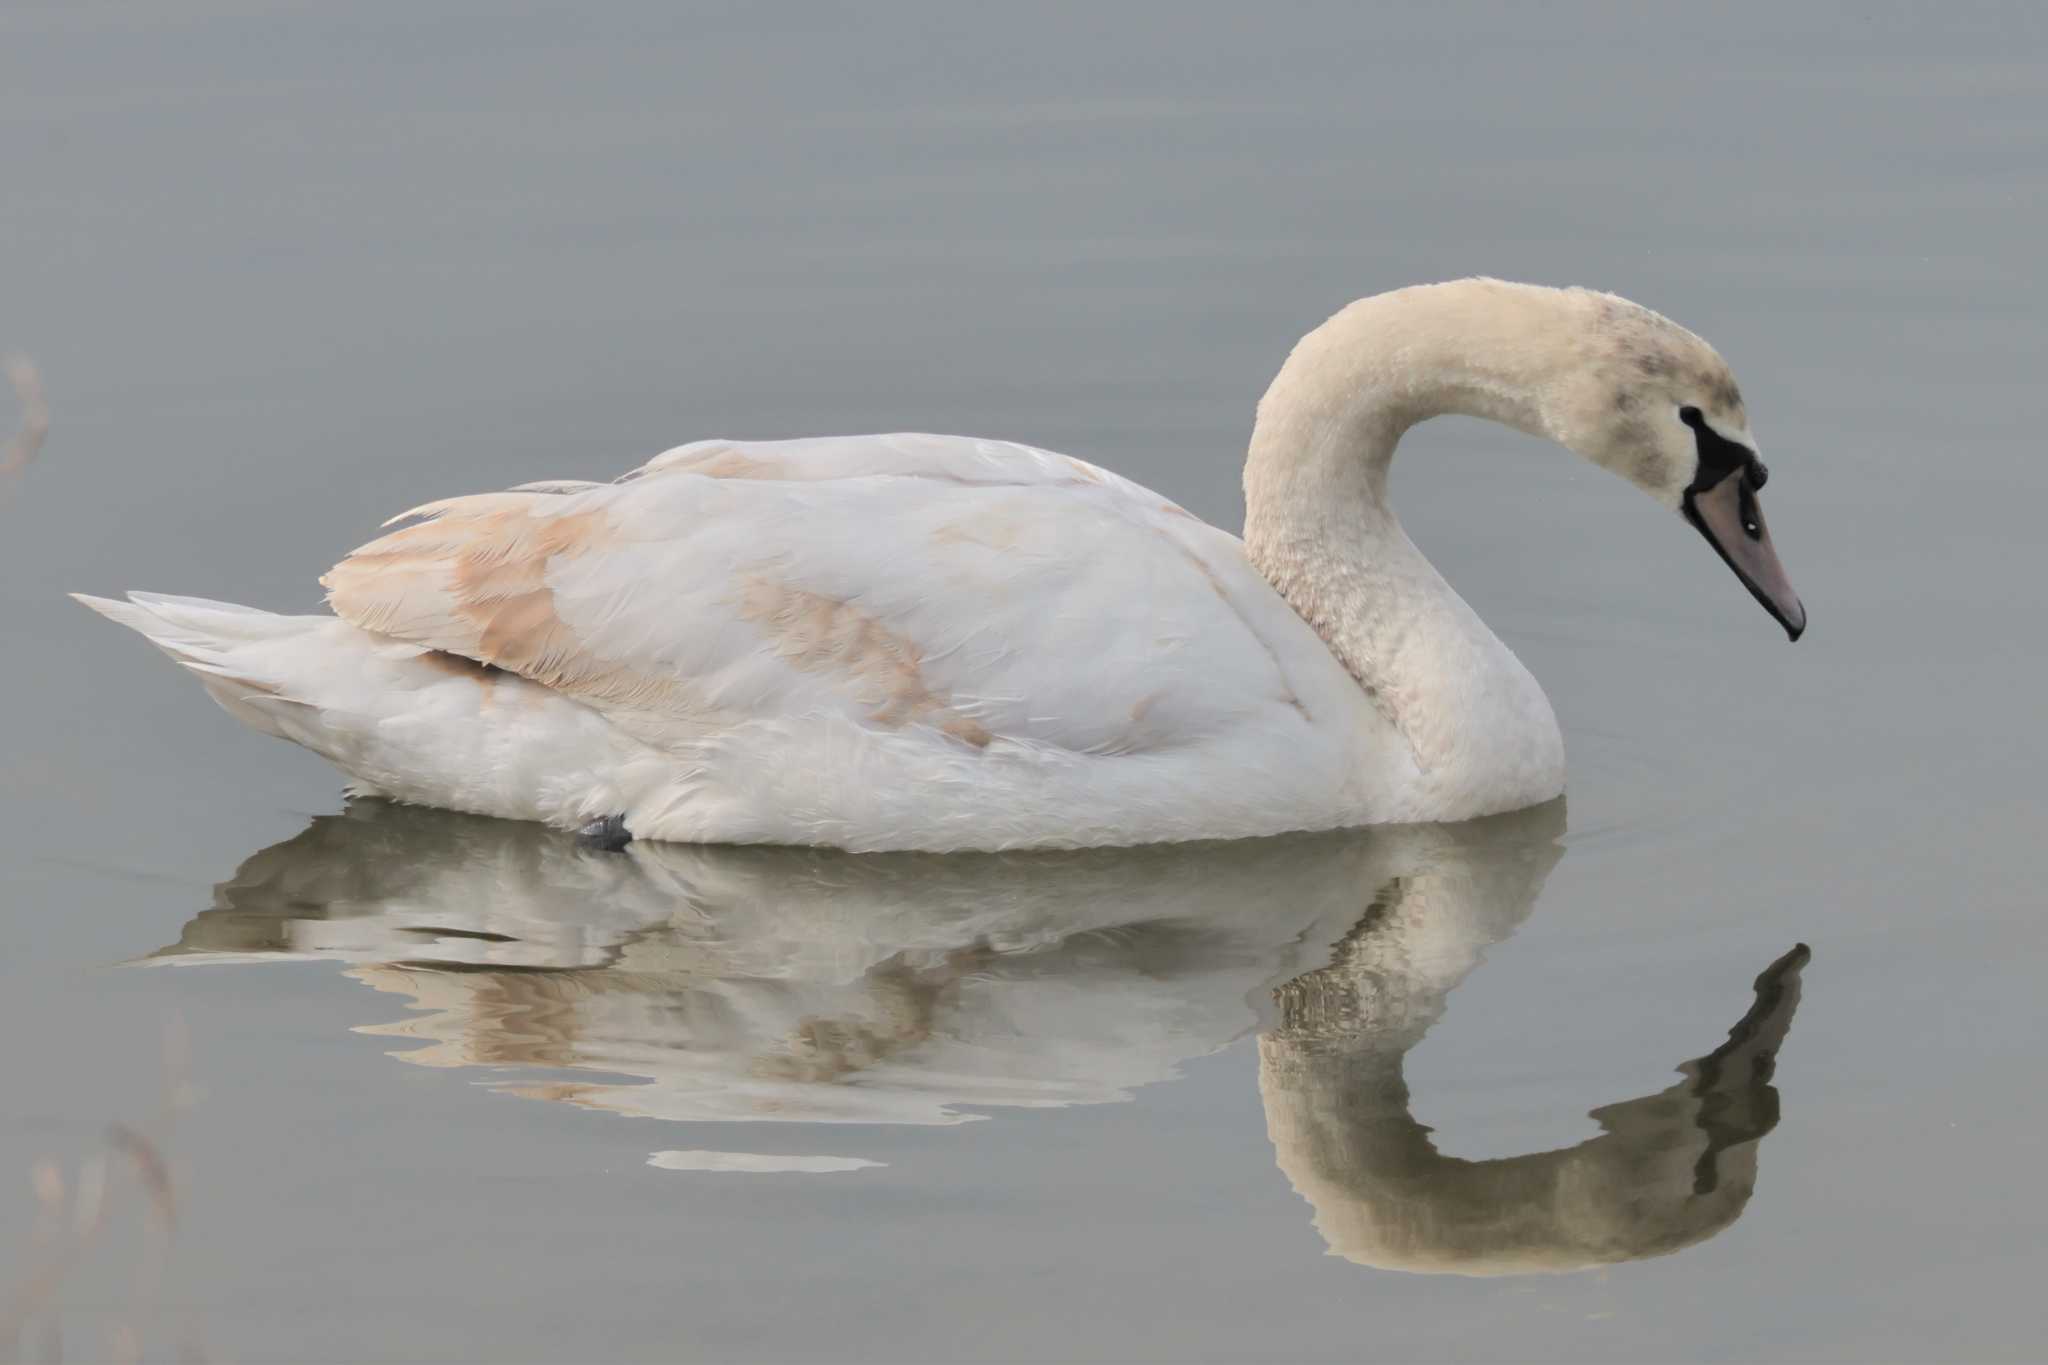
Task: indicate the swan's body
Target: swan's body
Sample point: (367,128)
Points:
(883,641)
(945,643)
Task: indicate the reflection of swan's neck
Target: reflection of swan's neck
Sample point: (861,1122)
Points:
(1319,527)
(1331,1069)
(1384,1196)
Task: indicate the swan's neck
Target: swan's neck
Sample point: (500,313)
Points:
(1319,527)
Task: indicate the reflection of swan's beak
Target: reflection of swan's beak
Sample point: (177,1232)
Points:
(1667,1171)
(1759,1034)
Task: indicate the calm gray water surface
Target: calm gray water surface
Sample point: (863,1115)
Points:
(289,270)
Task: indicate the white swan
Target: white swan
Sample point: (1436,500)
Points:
(932,642)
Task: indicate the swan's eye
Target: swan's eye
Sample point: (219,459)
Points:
(1752,520)
(1691,417)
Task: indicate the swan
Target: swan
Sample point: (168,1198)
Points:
(942,643)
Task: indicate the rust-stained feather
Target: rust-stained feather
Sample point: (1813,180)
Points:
(880,667)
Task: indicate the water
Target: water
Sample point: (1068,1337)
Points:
(464,1092)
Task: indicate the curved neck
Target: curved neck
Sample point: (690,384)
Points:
(1319,527)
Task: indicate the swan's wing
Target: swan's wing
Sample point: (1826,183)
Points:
(961,592)
(963,460)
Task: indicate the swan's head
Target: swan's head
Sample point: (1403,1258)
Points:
(1655,404)
(1627,389)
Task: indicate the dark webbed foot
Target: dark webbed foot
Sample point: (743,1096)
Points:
(608,834)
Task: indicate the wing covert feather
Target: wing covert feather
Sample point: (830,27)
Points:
(990,593)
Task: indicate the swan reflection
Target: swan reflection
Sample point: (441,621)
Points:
(695,983)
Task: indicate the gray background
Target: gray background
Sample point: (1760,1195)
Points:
(288,270)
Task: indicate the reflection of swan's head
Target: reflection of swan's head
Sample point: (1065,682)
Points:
(1668,1170)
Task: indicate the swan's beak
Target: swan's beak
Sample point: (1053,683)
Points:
(1732,520)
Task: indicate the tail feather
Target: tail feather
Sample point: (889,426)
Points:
(126,613)
(398,718)
(222,643)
